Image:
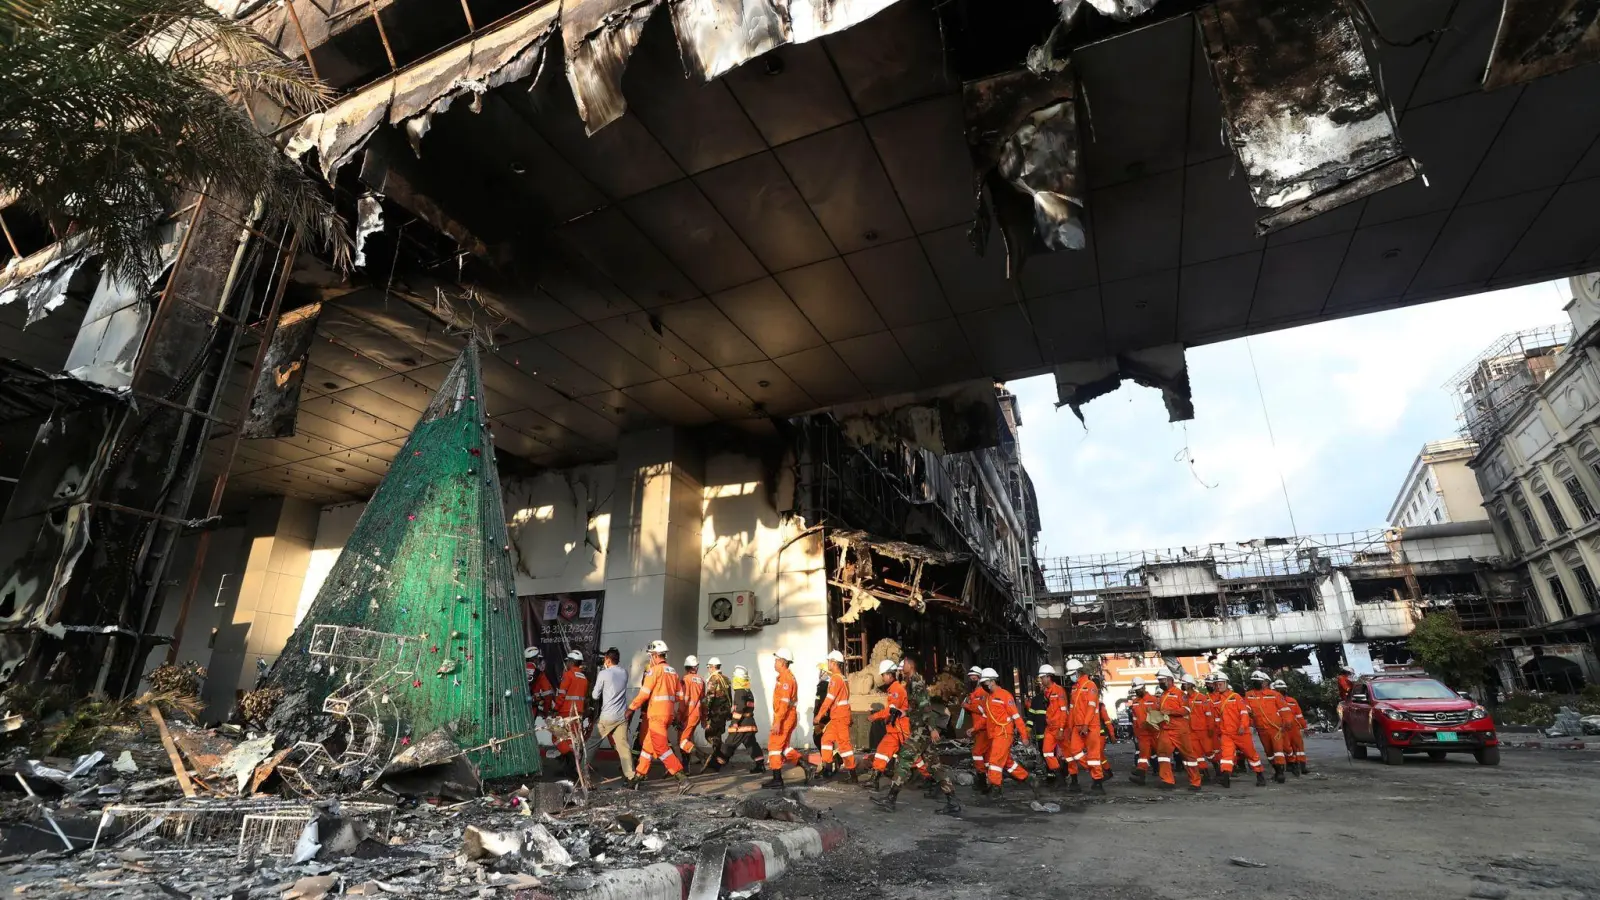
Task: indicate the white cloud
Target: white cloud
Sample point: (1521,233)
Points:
(1351,402)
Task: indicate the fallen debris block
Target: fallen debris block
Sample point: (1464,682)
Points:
(708,867)
(788,808)
(125,764)
(314,887)
(241,762)
(480,843)
(1247,863)
(546,850)
(435,766)
(653,843)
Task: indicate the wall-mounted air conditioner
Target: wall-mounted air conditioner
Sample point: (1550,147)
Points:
(732,611)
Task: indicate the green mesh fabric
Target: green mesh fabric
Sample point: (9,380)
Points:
(420,627)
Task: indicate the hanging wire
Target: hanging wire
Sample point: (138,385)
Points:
(1271,439)
(1187,456)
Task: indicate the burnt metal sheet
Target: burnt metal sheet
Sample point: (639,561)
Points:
(39,557)
(107,345)
(339,132)
(30,393)
(716,36)
(1303,108)
(1022,127)
(1162,368)
(1542,37)
(812,19)
(369,221)
(599,37)
(65,459)
(1120,10)
(41,281)
(955,419)
(275,398)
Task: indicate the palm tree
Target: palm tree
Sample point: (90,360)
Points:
(112,111)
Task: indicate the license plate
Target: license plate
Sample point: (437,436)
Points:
(1446,737)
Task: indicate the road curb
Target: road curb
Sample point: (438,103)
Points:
(748,863)
(1551,745)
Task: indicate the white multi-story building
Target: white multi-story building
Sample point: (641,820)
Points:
(1440,487)
(1532,402)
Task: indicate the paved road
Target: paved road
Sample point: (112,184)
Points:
(1425,830)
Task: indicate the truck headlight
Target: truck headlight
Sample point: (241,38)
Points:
(1478,712)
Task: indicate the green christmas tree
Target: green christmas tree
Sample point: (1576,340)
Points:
(418,626)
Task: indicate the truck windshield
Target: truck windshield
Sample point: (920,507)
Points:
(1412,689)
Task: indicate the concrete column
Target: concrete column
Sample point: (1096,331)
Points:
(653,555)
(279,534)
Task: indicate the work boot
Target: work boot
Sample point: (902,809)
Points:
(809,770)
(683,784)
(776,781)
(1052,779)
(1194,788)
(1073,787)
(855,776)
(1277,774)
(887,801)
(1137,777)
(877,780)
(756,766)
(981,785)
(1261,779)
(1165,786)
(1305,769)
(633,783)
(1294,769)
(951,807)
(1098,787)
(996,794)
(1225,778)
(1033,785)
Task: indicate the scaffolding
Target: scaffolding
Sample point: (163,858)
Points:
(1493,388)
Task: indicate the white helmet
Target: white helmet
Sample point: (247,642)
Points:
(1187,679)
(1216,676)
(740,672)
(1259,675)
(1073,666)
(783,654)
(1137,683)
(887,666)
(531,653)
(975,670)
(1349,670)
(691,661)
(1279,685)
(1047,669)
(714,663)
(1165,674)
(657,647)
(835,656)
(989,675)
(575,656)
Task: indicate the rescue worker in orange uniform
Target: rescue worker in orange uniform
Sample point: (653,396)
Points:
(833,720)
(1087,746)
(1005,726)
(571,698)
(660,694)
(1346,682)
(544,696)
(977,708)
(1199,724)
(1055,722)
(1294,732)
(691,700)
(897,721)
(1108,725)
(1269,712)
(1233,721)
(1174,735)
(784,718)
(1140,703)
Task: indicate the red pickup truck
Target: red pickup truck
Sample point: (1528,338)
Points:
(1400,714)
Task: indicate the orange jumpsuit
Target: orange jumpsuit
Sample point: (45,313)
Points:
(1175,736)
(1055,725)
(1087,745)
(1295,732)
(660,691)
(1144,734)
(1233,719)
(691,691)
(1200,727)
(835,710)
(570,701)
(544,696)
(1004,725)
(977,707)
(898,730)
(784,718)
(1269,714)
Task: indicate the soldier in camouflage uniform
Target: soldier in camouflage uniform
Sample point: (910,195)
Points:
(925,721)
(718,706)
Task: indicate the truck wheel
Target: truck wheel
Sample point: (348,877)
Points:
(1393,756)
(1436,755)
(1356,751)
(1488,756)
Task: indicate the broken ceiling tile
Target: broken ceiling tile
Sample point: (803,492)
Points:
(812,19)
(275,398)
(1022,127)
(1161,367)
(369,221)
(1302,106)
(600,36)
(716,36)
(953,419)
(1121,10)
(1538,37)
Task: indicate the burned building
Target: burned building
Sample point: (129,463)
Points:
(732,283)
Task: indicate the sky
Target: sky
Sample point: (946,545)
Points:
(1350,404)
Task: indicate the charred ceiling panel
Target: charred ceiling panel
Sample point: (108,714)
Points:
(599,36)
(952,420)
(29,393)
(42,281)
(68,452)
(1121,10)
(870,569)
(1302,106)
(1542,37)
(113,330)
(275,399)
(1162,368)
(1022,127)
(719,35)
(811,19)
(39,556)
(411,98)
